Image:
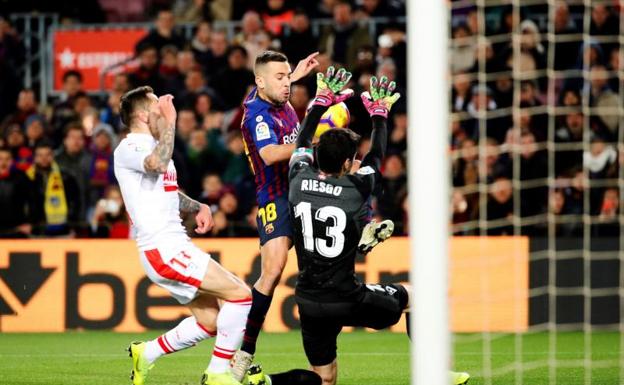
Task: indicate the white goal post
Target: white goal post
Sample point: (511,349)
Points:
(428,175)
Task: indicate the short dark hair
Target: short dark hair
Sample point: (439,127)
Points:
(269,56)
(44,143)
(130,100)
(71,73)
(72,126)
(335,147)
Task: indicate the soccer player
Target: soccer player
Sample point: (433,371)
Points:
(329,208)
(269,128)
(219,302)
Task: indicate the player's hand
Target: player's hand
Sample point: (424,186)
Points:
(304,67)
(204,220)
(167,110)
(381,97)
(329,87)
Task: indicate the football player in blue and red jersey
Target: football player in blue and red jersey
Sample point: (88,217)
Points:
(269,129)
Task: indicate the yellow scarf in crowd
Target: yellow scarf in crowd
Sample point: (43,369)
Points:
(55,203)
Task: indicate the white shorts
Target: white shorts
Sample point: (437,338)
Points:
(180,272)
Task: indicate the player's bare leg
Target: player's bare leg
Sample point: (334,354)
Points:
(274,254)
(328,373)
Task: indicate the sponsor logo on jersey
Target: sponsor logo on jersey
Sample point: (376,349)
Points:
(269,228)
(259,118)
(292,138)
(262,131)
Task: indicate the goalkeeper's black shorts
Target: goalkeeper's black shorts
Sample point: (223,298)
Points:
(377,307)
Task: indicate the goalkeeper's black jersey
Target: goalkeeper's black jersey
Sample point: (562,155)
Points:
(328,215)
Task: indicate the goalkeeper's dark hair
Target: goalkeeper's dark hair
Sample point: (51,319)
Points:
(131,100)
(334,148)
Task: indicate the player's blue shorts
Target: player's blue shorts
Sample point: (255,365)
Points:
(274,220)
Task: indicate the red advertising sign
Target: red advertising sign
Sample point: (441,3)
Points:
(91,51)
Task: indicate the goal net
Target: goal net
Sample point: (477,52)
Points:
(537,145)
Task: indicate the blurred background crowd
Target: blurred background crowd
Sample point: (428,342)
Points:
(56,166)
(536,104)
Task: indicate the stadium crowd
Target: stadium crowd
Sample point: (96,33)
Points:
(56,174)
(504,129)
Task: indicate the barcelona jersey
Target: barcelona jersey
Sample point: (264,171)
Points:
(264,124)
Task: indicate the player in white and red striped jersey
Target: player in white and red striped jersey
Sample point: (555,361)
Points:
(218,300)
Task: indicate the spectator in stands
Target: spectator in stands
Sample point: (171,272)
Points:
(251,28)
(394,183)
(533,53)
(299,98)
(397,142)
(56,202)
(503,91)
(168,68)
(560,206)
(200,45)
(296,45)
(461,93)
(482,102)
(276,15)
(35,129)
(261,43)
(231,84)
(163,34)
(110,112)
(101,173)
(608,221)
(216,58)
(533,165)
(16,142)
(15,199)
(571,131)
(605,100)
(500,206)
(380,8)
(212,190)
(565,51)
(343,39)
(26,106)
(109,218)
(147,73)
(603,21)
(194,84)
(236,168)
(570,98)
(485,58)
(462,49)
(186,124)
(601,159)
(75,161)
(121,83)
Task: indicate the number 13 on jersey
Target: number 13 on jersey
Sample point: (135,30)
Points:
(336,231)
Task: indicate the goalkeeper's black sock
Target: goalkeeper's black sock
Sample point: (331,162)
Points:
(259,307)
(296,377)
(407,324)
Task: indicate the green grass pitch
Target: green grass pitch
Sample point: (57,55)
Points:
(95,358)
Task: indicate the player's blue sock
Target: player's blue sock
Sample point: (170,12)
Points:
(259,308)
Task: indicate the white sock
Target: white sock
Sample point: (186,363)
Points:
(231,323)
(188,333)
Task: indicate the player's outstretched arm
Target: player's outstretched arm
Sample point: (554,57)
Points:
(329,91)
(204,215)
(158,160)
(378,104)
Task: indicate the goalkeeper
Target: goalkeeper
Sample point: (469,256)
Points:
(329,210)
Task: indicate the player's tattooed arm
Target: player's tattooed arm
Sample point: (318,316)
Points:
(187,204)
(158,160)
